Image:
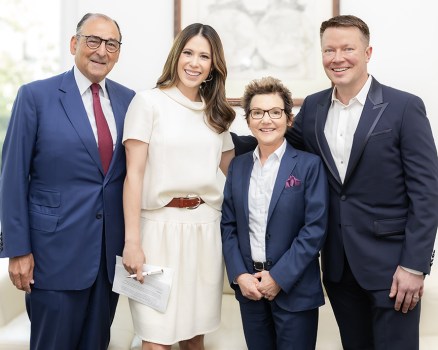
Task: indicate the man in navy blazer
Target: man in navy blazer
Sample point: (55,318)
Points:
(62,217)
(274,219)
(378,149)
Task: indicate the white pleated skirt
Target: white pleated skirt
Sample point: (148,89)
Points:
(189,241)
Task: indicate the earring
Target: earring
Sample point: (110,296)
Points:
(209,78)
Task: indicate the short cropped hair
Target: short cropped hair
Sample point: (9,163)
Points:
(266,86)
(90,15)
(347,21)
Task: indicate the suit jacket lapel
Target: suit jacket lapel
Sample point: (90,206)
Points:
(287,165)
(119,118)
(324,149)
(247,165)
(372,111)
(71,101)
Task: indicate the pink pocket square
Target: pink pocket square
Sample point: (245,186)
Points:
(292,181)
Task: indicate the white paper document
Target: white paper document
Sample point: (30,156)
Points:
(155,290)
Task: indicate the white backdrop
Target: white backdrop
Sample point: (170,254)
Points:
(403,35)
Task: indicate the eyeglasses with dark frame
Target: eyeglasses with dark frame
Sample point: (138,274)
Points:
(273,113)
(94,42)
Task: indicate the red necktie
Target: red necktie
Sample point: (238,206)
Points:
(104,139)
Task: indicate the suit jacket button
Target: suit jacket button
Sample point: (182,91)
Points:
(343,197)
(98,216)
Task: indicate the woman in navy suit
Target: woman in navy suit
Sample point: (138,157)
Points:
(274,219)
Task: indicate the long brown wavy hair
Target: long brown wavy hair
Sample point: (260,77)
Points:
(219,113)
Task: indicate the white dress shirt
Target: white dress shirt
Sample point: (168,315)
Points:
(87,98)
(261,186)
(341,124)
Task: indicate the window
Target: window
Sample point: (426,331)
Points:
(29,48)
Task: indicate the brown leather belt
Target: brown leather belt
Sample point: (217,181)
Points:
(185,202)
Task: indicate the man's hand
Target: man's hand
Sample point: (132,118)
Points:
(407,288)
(248,286)
(267,286)
(21,271)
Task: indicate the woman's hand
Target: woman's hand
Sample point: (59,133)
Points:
(248,286)
(133,260)
(267,286)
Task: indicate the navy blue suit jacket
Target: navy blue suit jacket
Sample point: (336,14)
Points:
(295,232)
(56,201)
(385,213)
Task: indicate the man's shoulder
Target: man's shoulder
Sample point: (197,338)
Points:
(42,88)
(322,97)
(40,83)
(320,94)
(119,87)
(390,91)
(243,143)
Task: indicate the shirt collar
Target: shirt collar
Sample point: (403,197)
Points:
(84,83)
(278,153)
(361,97)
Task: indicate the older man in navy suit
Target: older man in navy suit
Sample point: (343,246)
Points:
(62,172)
(377,146)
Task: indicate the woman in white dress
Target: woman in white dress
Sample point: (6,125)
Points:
(177,142)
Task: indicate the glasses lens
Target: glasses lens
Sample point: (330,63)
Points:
(112,45)
(93,42)
(257,113)
(275,113)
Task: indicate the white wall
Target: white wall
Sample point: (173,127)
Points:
(403,35)
(147,30)
(405,54)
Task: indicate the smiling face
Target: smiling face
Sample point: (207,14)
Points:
(194,65)
(95,64)
(345,55)
(268,132)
